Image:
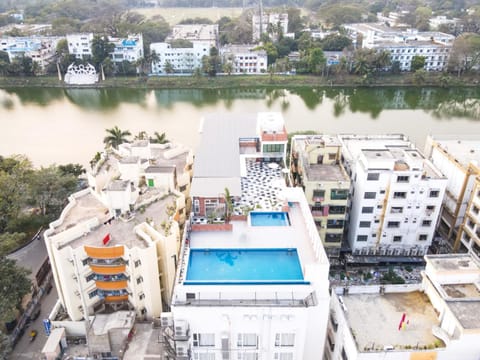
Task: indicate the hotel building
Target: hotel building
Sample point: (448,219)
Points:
(80,45)
(436,319)
(116,243)
(315,166)
(201,33)
(396,196)
(252,280)
(457,157)
(182,60)
(244,59)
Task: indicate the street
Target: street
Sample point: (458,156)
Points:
(25,349)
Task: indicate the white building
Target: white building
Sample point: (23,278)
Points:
(437,21)
(270,23)
(80,45)
(250,284)
(457,157)
(115,244)
(437,319)
(182,60)
(127,49)
(202,33)
(396,195)
(244,59)
(470,230)
(403,46)
(40,48)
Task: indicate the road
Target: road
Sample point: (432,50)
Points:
(31,350)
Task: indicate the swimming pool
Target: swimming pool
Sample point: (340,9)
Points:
(273,218)
(244,266)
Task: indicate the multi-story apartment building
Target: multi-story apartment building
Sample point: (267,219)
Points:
(469,233)
(437,319)
(315,166)
(457,157)
(116,243)
(40,48)
(396,195)
(181,60)
(252,281)
(80,45)
(403,46)
(271,23)
(202,33)
(127,49)
(244,59)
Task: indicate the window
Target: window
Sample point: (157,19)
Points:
(204,356)
(430,208)
(283,356)
(422,237)
(285,339)
(206,339)
(273,148)
(399,195)
(393,224)
(333,238)
(141,296)
(373,176)
(139,280)
(332,156)
(370,195)
(336,210)
(396,210)
(90,277)
(362,237)
(210,206)
(426,222)
(247,340)
(365,224)
(137,263)
(196,206)
(183,188)
(247,356)
(475,210)
(403,179)
(92,294)
(434,193)
(318,195)
(85,261)
(339,194)
(367,210)
(397,238)
(334,224)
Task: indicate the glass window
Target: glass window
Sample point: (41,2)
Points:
(362,237)
(339,194)
(403,179)
(393,224)
(365,224)
(206,339)
(336,210)
(373,176)
(426,222)
(399,195)
(422,237)
(397,238)
(434,193)
(396,210)
(285,339)
(367,210)
(370,195)
(247,340)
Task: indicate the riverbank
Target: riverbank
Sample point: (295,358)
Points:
(245,81)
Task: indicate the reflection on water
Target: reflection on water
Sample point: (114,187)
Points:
(444,103)
(45,123)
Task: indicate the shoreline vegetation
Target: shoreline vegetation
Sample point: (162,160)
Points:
(249,81)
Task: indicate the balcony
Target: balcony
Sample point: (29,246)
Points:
(110,278)
(108,285)
(106,262)
(110,270)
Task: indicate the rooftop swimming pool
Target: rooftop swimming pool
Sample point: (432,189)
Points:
(244,266)
(273,218)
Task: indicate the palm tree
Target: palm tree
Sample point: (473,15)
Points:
(228,205)
(115,137)
(159,138)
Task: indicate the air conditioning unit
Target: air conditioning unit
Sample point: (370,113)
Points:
(76,292)
(181,351)
(181,328)
(166,319)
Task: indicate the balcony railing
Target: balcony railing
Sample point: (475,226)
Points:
(106,262)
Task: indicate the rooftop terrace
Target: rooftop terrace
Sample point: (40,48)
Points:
(321,172)
(374,320)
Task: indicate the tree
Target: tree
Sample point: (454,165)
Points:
(159,138)
(418,62)
(14,285)
(228,205)
(211,64)
(336,42)
(228,68)
(50,189)
(169,69)
(115,137)
(101,50)
(71,169)
(316,61)
(465,53)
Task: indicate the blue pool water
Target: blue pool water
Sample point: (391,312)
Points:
(236,266)
(262,218)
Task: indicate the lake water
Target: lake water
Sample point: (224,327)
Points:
(68,125)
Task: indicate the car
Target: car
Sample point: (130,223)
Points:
(35,312)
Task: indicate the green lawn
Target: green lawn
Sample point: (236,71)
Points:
(174,15)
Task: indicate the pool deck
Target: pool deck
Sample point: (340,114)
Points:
(245,236)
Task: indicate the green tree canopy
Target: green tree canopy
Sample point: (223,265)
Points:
(418,62)
(14,285)
(115,137)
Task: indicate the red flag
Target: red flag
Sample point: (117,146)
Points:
(106,239)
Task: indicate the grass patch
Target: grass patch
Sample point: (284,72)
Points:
(174,15)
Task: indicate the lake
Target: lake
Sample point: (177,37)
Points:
(68,125)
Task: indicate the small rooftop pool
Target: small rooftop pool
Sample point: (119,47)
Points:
(244,266)
(271,218)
